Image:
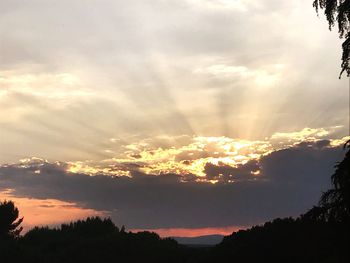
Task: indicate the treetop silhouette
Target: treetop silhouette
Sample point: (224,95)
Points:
(9,221)
(338,12)
(336,201)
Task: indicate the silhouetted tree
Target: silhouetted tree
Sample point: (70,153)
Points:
(9,227)
(96,240)
(338,12)
(336,202)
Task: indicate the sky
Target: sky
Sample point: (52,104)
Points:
(184,117)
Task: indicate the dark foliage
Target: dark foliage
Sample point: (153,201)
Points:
(336,202)
(338,12)
(9,222)
(286,240)
(96,240)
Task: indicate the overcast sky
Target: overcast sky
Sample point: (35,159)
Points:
(168,114)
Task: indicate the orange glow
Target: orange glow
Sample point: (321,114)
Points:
(40,212)
(256,173)
(192,232)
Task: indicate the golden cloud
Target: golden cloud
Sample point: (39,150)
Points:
(192,156)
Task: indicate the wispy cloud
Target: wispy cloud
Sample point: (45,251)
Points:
(260,77)
(60,86)
(139,69)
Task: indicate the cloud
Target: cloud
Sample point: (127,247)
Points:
(45,86)
(198,157)
(230,174)
(301,135)
(128,70)
(237,5)
(290,182)
(266,77)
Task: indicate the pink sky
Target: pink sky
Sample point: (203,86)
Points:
(192,232)
(41,212)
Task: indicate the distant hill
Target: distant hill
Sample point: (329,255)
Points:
(208,240)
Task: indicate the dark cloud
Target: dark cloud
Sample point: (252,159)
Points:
(291,182)
(226,172)
(302,164)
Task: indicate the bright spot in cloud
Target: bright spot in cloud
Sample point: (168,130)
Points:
(262,77)
(192,157)
(309,133)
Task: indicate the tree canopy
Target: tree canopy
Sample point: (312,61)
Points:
(337,13)
(336,201)
(9,222)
